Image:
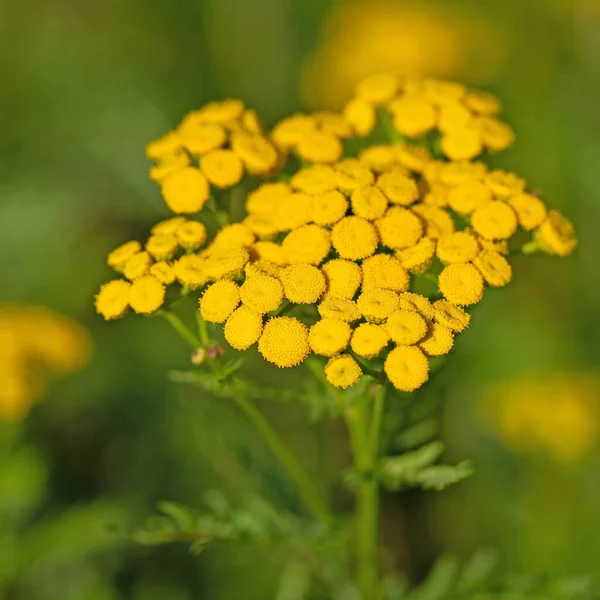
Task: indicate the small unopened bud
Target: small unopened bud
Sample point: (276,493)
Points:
(214,351)
(199,355)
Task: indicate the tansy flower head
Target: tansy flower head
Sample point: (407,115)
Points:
(146,295)
(169,226)
(438,341)
(319,147)
(186,190)
(117,259)
(556,235)
(457,247)
(223,168)
(436,220)
(236,235)
(112,301)
(261,293)
(219,301)
(398,187)
(303,284)
(450,315)
(386,272)
(268,252)
(467,196)
(369,202)
(284,341)
(328,208)
(417,303)
(343,277)
(191,235)
(162,246)
(461,284)
(315,179)
(138,265)
(163,271)
(417,258)
(342,371)
(351,174)
(368,340)
(406,327)
(354,238)
(328,337)
(496,270)
(407,368)
(504,184)
(225,263)
(308,244)
(243,328)
(377,304)
(190,271)
(339,308)
(530,210)
(495,220)
(399,228)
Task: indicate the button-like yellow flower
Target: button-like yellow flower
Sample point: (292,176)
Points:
(308,244)
(410,156)
(265,198)
(457,247)
(339,308)
(369,202)
(168,227)
(417,303)
(377,305)
(117,259)
(417,258)
(369,340)
(413,116)
(399,228)
(186,190)
(289,131)
(468,196)
(385,272)
(293,212)
(315,179)
(496,270)
(284,341)
(483,103)
(342,371)
(190,271)
(329,337)
(406,327)
(437,221)
(531,211)
(407,368)
(496,220)
(377,88)
(454,116)
(461,284)
(378,158)
(398,187)
(354,238)
(303,284)
(236,235)
(495,134)
(137,265)
(351,174)
(504,184)
(146,295)
(168,165)
(556,235)
(462,144)
(268,252)
(319,147)
(191,235)
(361,115)
(225,263)
(222,167)
(163,146)
(200,137)
(243,328)
(327,208)
(456,172)
(450,315)
(219,301)
(438,341)
(112,300)
(163,271)
(257,153)
(343,277)
(162,246)
(261,293)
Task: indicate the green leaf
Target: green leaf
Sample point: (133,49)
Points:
(439,477)
(397,470)
(440,582)
(477,571)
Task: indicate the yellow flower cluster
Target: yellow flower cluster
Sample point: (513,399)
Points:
(36,345)
(343,239)
(558,415)
(212,146)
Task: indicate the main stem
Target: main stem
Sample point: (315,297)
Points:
(364,424)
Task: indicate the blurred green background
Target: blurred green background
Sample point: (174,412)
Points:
(83,87)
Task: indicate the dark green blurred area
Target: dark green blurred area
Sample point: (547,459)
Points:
(83,88)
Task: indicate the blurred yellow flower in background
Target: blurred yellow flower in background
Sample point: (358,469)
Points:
(361,38)
(36,345)
(558,416)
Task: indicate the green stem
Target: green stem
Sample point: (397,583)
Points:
(180,328)
(364,425)
(308,491)
(202,328)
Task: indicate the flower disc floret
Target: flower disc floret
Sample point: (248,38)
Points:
(342,371)
(261,293)
(343,277)
(191,235)
(162,246)
(438,341)
(496,270)
(495,134)
(417,258)
(556,235)
(361,115)
(221,264)
(257,153)
(437,221)
(146,295)
(496,220)
(112,301)
(117,259)
(460,144)
(137,266)
(308,244)
(284,341)
(413,117)
(223,168)
(319,147)
(377,304)
(407,368)
(190,271)
(369,340)
(243,328)
(504,184)
(163,271)
(417,303)
(369,202)
(450,315)
(315,179)
(468,196)
(386,272)
(303,284)
(457,247)
(530,210)
(399,228)
(461,284)
(406,327)
(398,187)
(354,238)
(186,190)
(329,337)
(219,301)
(339,308)
(351,174)
(328,208)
